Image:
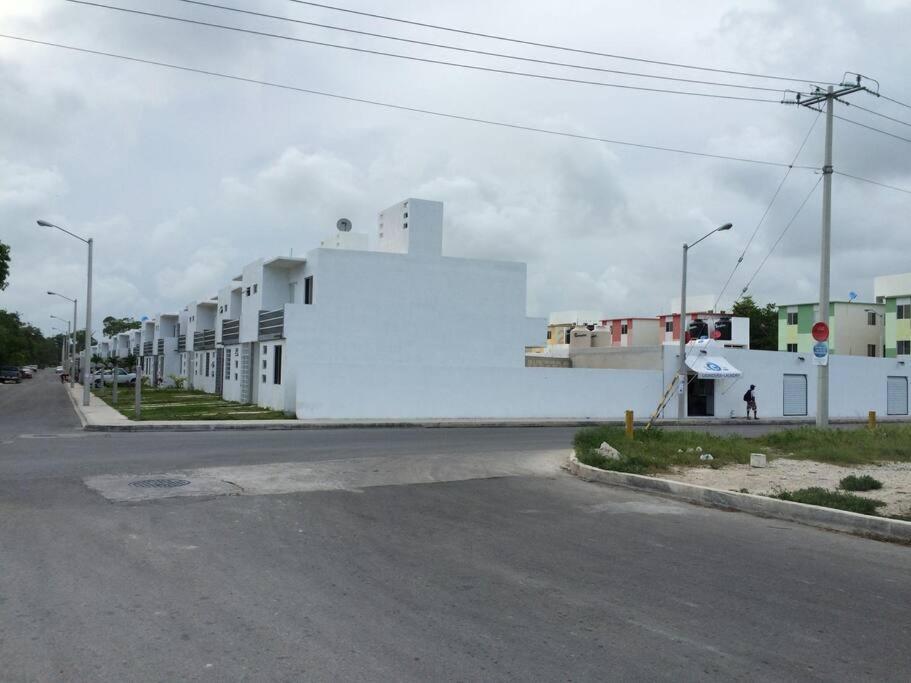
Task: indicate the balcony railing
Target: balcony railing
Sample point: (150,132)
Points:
(204,341)
(161,347)
(271,324)
(230,331)
(136,349)
(181,342)
(147,349)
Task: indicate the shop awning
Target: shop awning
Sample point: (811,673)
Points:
(711,367)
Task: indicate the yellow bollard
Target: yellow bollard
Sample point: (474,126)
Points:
(629,424)
(871,419)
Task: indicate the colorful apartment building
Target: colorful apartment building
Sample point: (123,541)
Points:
(728,330)
(893,292)
(855,328)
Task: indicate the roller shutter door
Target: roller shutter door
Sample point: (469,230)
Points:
(794,401)
(897,395)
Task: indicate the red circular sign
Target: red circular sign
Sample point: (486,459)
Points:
(820,332)
(716,334)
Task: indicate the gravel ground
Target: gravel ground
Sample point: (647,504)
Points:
(786,474)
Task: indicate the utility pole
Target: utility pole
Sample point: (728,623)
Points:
(815,101)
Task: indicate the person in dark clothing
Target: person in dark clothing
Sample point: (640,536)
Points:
(750,398)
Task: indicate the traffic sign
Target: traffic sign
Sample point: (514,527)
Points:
(820,332)
(821,353)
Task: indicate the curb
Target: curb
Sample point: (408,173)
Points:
(77,408)
(879,528)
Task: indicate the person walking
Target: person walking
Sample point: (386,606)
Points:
(750,398)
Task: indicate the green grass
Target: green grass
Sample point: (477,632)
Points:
(177,404)
(658,450)
(862,483)
(832,499)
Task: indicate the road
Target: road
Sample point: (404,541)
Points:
(468,575)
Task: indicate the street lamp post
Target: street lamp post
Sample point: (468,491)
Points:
(681,371)
(73,363)
(65,347)
(87,350)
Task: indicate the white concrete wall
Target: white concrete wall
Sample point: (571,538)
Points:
(856,384)
(853,333)
(170,362)
(269,394)
(418,391)
(251,300)
(200,381)
(231,387)
(413,226)
(892,285)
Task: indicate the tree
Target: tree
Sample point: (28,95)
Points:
(763,323)
(4,265)
(21,343)
(112,325)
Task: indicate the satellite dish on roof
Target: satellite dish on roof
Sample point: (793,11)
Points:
(343,225)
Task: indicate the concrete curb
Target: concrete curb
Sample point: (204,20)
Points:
(76,406)
(880,528)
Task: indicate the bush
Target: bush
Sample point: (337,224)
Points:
(179,381)
(816,495)
(863,483)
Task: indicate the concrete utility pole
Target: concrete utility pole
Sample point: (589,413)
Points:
(815,101)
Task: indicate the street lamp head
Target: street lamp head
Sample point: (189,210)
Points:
(46,224)
(726,226)
(51,293)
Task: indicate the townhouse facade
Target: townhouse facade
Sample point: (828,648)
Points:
(855,328)
(893,293)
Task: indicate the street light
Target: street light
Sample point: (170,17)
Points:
(65,347)
(73,301)
(681,387)
(86,393)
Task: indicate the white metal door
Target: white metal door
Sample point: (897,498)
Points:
(896,395)
(794,400)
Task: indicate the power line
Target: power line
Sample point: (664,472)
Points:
(781,236)
(458,48)
(872,182)
(875,113)
(389,105)
(563,48)
(426,60)
(901,104)
(872,128)
(767,210)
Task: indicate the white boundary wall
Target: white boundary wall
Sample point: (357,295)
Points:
(857,384)
(413,392)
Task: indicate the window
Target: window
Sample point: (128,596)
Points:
(292,292)
(550,334)
(406,214)
(228,368)
(792,318)
(405,224)
(624,328)
(871,350)
(247,291)
(903,311)
(904,348)
(871,317)
(668,325)
(308,289)
(263,379)
(207,363)
(277,366)
(792,348)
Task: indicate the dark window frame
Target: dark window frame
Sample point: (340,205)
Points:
(277,365)
(308,290)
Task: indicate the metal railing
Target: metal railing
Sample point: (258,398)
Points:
(230,331)
(204,340)
(160,347)
(147,348)
(271,324)
(181,342)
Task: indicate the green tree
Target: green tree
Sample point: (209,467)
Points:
(112,325)
(4,265)
(21,343)
(763,323)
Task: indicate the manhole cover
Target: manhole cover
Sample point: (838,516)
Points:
(159,483)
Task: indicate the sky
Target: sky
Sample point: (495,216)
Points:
(182,178)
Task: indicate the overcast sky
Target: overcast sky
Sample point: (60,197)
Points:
(182,178)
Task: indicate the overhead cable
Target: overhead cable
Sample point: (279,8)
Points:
(872,182)
(457,48)
(425,60)
(563,48)
(400,107)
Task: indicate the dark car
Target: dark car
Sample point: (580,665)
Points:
(10,373)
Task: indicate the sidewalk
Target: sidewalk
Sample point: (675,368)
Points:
(98,416)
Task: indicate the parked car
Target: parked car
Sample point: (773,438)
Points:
(10,373)
(59,369)
(26,372)
(123,377)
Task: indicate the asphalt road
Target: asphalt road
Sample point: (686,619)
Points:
(532,577)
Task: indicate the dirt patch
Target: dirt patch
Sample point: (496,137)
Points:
(785,474)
